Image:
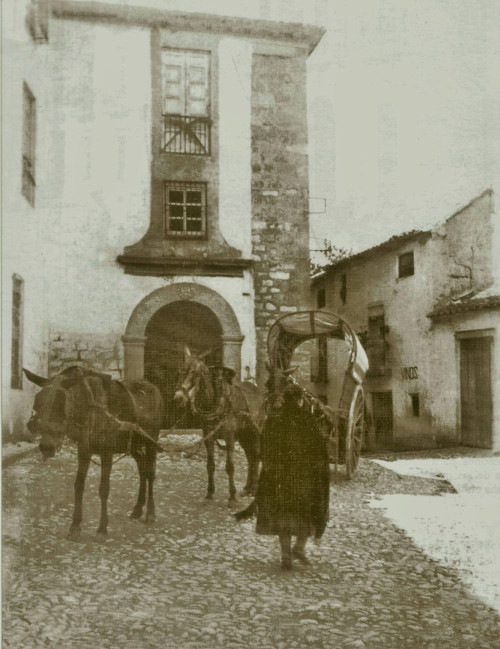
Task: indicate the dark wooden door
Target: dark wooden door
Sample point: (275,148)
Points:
(382,418)
(476,404)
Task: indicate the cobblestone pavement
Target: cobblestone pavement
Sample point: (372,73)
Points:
(199,580)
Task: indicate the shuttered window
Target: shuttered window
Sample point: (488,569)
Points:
(186,102)
(16,376)
(29,141)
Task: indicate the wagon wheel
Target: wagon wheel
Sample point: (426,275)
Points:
(354,433)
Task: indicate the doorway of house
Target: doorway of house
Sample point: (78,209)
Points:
(383,419)
(172,328)
(476,402)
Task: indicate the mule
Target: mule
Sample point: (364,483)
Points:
(104,417)
(293,491)
(222,410)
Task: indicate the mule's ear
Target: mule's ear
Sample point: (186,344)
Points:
(291,370)
(187,352)
(37,380)
(268,367)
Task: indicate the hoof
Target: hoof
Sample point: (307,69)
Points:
(286,564)
(150,519)
(232,502)
(136,514)
(209,497)
(101,534)
(73,535)
(298,554)
(247,493)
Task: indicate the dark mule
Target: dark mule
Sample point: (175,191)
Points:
(222,410)
(103,416)
(294,484)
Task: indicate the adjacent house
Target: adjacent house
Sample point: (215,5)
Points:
(155,189)
(427,308)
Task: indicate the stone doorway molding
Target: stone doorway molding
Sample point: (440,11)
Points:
(134,339)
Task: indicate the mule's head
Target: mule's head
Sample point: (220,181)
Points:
(281,388)
(194,370)
(50,409)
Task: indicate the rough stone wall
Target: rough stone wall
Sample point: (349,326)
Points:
(100,352)
(280,220)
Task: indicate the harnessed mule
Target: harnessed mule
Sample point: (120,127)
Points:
(103,416)
(222,410)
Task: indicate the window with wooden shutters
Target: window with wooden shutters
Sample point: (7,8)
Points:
(16,375)
(186,102)
(29,141)
(185,209)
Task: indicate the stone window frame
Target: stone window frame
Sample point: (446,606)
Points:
(17,337)
(185,187)
(28,184)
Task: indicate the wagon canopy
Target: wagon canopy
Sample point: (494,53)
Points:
(292,329)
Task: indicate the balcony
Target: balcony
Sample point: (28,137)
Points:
(186,134)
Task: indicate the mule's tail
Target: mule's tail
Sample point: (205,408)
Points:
(247,513)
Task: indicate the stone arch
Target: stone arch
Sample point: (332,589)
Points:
(134,339)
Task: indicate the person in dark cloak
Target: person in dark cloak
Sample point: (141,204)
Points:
(292,498)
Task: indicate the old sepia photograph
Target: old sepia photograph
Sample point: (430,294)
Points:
(250,255)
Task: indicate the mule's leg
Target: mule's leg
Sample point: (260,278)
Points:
(141,497)
(299,548)
(210,446)
(106,462)
(150,477)
(286,551)
(230,468)
(249,439)
(81,475)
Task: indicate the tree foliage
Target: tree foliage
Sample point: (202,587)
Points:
(331,253)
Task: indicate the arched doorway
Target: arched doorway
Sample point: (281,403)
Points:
(134,340)
(172,328)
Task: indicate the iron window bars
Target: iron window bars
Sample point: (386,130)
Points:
(186,134)
(185,209)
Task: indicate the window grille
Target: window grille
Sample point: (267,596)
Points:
(16,377)
(186,102)
(406,264)
(185,209)
(29,142)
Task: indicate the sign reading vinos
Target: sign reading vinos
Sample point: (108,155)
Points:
(409,373)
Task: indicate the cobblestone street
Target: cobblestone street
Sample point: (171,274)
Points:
(199,580)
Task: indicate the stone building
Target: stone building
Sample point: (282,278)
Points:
(155,189)
(427,306)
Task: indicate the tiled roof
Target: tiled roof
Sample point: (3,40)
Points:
(390,244)
(488,298)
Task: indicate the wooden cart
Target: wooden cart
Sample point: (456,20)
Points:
(343,424)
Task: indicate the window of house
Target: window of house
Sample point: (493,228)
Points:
(16,377)
(185,209)
(186,101)
(29,141)
(415,404)
(321,298)
(322,359)
(343,288)
(37,20)
(376,345)
(406,265)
